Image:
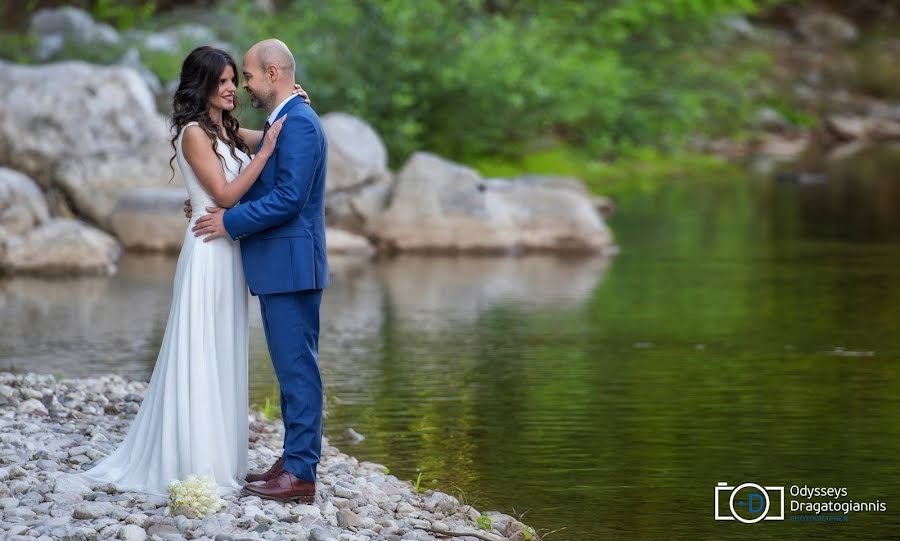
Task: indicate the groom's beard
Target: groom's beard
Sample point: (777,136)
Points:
(258,103)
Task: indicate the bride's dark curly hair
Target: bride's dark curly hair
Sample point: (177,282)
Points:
(200,76)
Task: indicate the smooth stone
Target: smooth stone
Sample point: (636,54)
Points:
(132,532)
(347,519)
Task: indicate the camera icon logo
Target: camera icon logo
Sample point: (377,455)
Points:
(749,502)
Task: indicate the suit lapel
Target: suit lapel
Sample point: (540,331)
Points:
(287,107)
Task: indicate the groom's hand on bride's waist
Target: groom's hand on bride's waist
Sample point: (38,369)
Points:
(188,210)
(210,226)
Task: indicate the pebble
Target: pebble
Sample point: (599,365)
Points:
(356,501)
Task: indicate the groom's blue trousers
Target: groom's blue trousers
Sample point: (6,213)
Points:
(291,324)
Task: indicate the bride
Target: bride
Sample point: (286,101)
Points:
(194,417)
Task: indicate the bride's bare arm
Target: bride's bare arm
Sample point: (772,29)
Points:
(208,167)
(251,137)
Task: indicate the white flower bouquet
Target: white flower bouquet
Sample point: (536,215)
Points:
(193,497)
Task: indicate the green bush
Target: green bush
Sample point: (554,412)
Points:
(471,78)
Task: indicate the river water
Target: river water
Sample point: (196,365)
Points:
(746,332)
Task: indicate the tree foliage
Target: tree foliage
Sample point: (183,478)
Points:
(477,77)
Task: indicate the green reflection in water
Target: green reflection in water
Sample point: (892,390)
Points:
(745,333)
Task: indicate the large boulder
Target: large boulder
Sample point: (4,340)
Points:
(151,219)
(359,181)
(356,209)
(61,247)
(439,206)
(22,205)
(345,243)
(87,134)
(356,153)
(58,28)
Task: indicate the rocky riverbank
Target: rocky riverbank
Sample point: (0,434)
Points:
(832,87)
(49,427)
(98,176)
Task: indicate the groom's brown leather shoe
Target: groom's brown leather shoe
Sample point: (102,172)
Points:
(284,487)
(276,468)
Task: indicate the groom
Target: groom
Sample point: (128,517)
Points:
(281,225)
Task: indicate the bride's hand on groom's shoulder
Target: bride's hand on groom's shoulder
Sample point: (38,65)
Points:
(298,90)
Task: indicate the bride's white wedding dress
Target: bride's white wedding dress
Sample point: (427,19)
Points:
(193,419)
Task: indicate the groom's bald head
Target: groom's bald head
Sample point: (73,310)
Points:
(269,73)
(272,53)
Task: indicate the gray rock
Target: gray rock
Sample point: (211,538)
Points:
(500,521)
(75,533)
(95,510)
(355,151)
(405,509)
(304,510)
(136,518)
(345,243)
(441,206)
(359,181)
(17,514)
(8,503)
(353,436)
(22,208)
(263,520)
(347,519)
(78,450)
(106,137)
(151,219)
(320,534)
(110,531)
(55,28)
(63,247)
(31,500)
(161,526)
(34,407)
(79,459)
(441,502)
(356,209)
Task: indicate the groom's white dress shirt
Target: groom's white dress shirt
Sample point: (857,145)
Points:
(275,111)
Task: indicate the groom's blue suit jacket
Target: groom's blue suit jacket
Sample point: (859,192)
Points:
(280,221)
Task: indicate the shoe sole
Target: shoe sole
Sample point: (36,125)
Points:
(301,499)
